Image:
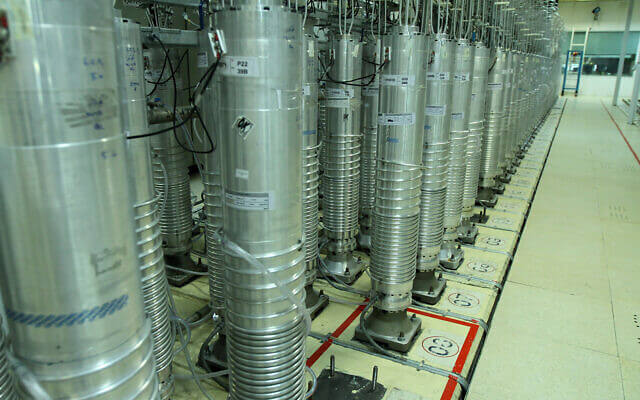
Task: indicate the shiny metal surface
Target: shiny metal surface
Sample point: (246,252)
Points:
(261,144)
(396,211)
(505,128)
(85,335)
(176,221)
(7,388)
(372,58)
(341,176)
(435,156)
(460,104)
(310,162)
(476,128)
(493,120)
(145,200)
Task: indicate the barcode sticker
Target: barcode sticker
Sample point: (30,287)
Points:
(249,201)
(397,80)
(494,85)
(437,76)
(370,91)
(457,116)
(240,66)
(461,77)
(203,59)
(337,93)
(435,111)
(396,119)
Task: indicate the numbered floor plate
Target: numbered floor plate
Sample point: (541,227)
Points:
(503,220)
(512,205)
(495,240)
(517,192)
(444,343)
(480,268)
(529,164)
(528,173)
(523,182)
(471,301)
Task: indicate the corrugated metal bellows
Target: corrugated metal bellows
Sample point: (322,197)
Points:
(467,232)
(261,144)
(170,172)
(427,287)
(370,94)
(451,254)
(341,176)
(145,200)
(396,211)
(85,335)
(492,130)
(315,301)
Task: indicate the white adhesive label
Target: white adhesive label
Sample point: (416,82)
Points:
(336,93)
(473,96)
(461,77)
(435,111)
(370,91)
(240,66)
(337,103)
(306,90)
(494,86)
(457,116)
(397,119)
(398,80)
(249,201)
(242,173)
(203,59)
(438,76)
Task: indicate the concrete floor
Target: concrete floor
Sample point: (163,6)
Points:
(567,325)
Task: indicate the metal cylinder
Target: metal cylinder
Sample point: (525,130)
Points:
(435,156)
(460,104)
(476,127)
(145,200)
(261,144)
(493,119)
(505,128)
(396,211)
(7,388)
(74,306)
(213,203)
(341,176)
(310,162)
(170,162)
(370,96)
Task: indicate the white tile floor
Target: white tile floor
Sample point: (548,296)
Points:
(568,323)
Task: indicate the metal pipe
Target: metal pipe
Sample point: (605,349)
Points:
(7,388)
(74,306)
(145,200)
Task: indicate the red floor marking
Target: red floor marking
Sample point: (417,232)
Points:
(450,388)
(343,327)
(621,134)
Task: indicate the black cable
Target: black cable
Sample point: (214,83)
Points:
(164,65)
(349,82)
(207,75)
(159,82)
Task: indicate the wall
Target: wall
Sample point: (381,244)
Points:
(577,15)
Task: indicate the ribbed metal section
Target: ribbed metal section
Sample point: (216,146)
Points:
(370,97)
(176,221)
(145,200)
(460,104)
(476,128)
(493,120)
(396,212)
(74,305)
(261,146)
(310,147)
(7,388)
(213,207)
(341,177)
(435,155)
